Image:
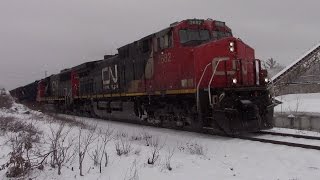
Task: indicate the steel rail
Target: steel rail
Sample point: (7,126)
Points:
(289,135)
(305,146)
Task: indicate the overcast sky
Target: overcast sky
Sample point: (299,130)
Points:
(50,35)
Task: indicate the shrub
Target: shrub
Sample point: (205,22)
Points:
(147,137)
(123,147)
(156,147)
(192,148)
(19,162)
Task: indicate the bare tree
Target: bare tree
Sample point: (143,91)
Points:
(169,157)
(54,138)
(95,156)
(272,66)
(106,137)
(100,150)
(271,63)
(61,145)
(83,144)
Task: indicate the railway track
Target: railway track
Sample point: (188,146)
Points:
(290,135)
(279,142)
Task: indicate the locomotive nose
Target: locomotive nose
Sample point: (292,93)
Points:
(249,116)
(244,117)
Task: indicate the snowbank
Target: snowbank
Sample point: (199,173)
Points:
(299,103)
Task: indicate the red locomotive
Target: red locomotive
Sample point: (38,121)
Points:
(192,75)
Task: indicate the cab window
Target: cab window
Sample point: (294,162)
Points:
(216,35)
(163,42)
(193,35)
(155,45)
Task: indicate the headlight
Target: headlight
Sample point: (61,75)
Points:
(266,80)
(231,46)
(234,81)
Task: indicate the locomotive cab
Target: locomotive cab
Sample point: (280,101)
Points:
(195,32)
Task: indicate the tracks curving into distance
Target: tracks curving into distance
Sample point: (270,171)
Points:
(290,135)
(292,144)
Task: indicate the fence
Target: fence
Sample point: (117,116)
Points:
(301,121)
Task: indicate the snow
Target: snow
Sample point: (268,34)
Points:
(223,158)
(294,62)
(309,103)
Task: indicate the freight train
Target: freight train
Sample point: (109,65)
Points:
(192,75)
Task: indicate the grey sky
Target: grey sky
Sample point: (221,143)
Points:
(50,35)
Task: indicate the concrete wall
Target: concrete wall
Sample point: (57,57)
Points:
(300,121)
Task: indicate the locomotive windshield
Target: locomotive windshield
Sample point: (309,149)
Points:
(216,35)
(193,35)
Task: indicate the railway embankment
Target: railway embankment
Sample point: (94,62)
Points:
(298,111)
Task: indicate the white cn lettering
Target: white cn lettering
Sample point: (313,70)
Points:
(108,74)
(105,75)
(115,75)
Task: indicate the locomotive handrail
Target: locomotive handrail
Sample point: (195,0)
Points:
(211,79)
(198,85)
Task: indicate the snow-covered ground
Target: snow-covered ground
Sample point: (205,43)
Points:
(299,103)
(196,156)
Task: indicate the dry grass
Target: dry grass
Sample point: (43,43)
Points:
(193,148)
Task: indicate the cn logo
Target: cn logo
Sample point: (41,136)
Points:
(110,77)
(109,74)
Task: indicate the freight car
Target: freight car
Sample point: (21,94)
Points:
(192,75)
(27,93)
